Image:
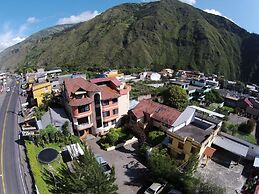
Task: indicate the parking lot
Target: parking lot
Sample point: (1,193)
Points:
(131,175)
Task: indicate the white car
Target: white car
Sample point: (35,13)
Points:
(104,165)
(7,89)
(155,188)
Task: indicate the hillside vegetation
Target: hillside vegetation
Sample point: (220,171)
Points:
(152,35)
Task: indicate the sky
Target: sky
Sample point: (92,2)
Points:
(19,19)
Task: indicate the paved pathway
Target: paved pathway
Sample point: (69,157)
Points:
(131,175)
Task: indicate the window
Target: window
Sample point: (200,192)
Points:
(83,121)
(105,124)
(115,111)
(106,113)
(83,108)
(181,156)
(114,100)
(193,150)
(113,121)
(180,145)
(105,102)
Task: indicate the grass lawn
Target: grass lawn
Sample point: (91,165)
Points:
(37,167)
(247,137)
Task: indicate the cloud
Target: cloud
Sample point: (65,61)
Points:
(31,20)
(9,37)
(215,12)
(84,16)
(191,2)
(24,27)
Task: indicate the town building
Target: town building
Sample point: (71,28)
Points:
(96,105)
(153,76)
(39,90)
(198,82)
(153,114)
(193,132)
(167,73)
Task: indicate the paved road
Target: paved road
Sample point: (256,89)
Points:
(10,171)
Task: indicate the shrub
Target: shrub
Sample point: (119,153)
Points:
(155,137)
(104,145)
(112,137)
(247,127)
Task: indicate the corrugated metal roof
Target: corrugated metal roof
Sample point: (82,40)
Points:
(208,111)
(231,146)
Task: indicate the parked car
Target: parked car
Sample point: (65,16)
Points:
(155,188)
(7,89)
(104,165)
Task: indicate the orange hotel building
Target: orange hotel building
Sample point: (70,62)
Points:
(96,105)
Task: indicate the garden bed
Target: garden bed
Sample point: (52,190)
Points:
(116,137)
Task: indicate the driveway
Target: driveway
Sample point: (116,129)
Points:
(131,175)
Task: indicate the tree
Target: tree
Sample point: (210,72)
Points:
(48,133)
(175,97)
(247,127)
(87,178)
(191,165)
(155,137)
(137,131)
(161,165)
(232,128)
(65,128)
(164,168)
(213,96)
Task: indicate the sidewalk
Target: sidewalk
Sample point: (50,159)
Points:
(27,176)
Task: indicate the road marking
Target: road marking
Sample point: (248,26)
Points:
(2,145)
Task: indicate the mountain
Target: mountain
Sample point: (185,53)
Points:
(153,35)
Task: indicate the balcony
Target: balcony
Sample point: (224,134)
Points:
(83,126)
(109,118)
(83,114)
(110,106)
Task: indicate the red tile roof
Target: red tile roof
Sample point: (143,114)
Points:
(157,111)
(80,102)
(106,79)
(209,151)
(74,84)
(108,93)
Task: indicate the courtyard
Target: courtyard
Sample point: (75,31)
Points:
(131,175)
(224,169)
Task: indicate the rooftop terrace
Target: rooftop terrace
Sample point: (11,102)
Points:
(198,129)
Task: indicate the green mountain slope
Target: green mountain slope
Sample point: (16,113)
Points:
(153,35)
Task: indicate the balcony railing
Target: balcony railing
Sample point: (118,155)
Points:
(83,114)
(83,126)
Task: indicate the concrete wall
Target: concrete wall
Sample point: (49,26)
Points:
(123,103)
